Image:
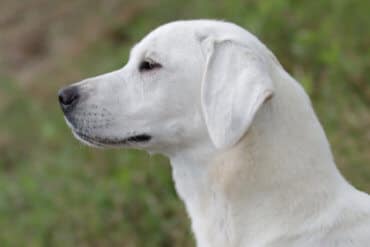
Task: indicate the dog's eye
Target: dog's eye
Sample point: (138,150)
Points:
(147,65)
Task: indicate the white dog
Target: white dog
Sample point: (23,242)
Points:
(249,157)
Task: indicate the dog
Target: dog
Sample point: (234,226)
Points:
(249,157)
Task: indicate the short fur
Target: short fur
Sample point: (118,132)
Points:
(250,159)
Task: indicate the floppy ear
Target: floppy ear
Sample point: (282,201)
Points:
(236,82)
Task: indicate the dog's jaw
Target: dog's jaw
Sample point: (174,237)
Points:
(132,139)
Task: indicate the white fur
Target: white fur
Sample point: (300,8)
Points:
(250,159)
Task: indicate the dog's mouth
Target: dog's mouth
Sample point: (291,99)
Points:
(105,141)
(132,139)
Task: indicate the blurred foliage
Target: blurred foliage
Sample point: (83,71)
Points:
(56,192)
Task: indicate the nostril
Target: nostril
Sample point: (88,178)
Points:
(68,96)
(61,99)
(67,99)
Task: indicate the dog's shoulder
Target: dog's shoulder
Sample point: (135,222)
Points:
(352,225)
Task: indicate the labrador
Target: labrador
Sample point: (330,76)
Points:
(249,157)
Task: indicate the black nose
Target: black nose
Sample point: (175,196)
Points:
(68,97)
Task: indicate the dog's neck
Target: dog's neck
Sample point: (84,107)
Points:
(263,188)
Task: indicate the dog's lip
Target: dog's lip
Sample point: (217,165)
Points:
(134,139)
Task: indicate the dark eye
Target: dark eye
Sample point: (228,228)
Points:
(147,65)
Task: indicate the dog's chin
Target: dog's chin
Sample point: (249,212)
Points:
(135,141)
(86,141)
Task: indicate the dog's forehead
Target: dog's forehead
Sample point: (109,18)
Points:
(173,36)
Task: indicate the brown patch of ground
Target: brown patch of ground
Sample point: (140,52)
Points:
(38,35)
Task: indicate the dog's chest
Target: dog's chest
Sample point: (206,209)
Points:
(207,210)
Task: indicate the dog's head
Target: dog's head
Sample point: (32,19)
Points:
(185,83)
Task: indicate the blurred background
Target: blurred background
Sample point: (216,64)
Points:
(56,192)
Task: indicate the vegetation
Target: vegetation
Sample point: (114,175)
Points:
(56,192)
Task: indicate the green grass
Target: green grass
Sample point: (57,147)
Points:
(56,192)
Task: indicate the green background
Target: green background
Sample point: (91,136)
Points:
(56,192)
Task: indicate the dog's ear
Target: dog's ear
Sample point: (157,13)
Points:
(236,82)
